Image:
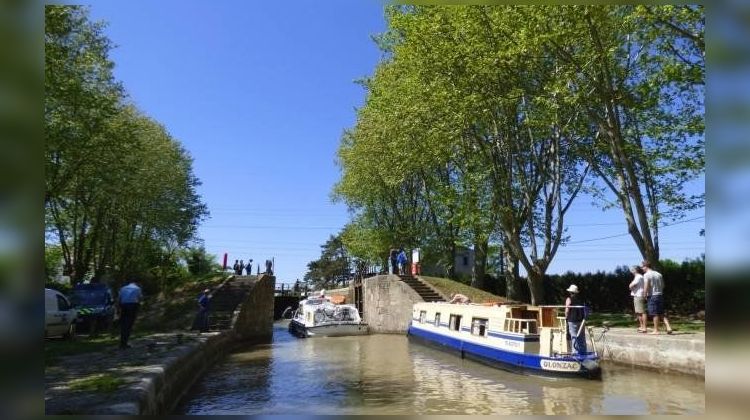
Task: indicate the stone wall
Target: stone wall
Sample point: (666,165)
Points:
(388,303)
(681,352)
(254,318)
(168,383)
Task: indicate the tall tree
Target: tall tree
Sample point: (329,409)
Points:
(639,74)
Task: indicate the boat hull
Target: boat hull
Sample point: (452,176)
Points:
(510,361)
(339,329)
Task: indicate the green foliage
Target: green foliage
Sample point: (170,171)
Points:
(199,262)
(684,285)
(482,124)
(333,266)
(120,195)
(53,256)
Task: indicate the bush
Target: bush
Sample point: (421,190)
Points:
(684,287)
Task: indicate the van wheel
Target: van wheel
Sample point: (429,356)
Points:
(71,332)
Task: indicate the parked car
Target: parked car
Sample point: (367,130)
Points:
(95,306)
(60,316)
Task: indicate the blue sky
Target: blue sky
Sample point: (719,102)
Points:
(260,94)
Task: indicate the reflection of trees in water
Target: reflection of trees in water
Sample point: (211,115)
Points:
(446,388)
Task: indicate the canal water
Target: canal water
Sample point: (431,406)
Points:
(389,374)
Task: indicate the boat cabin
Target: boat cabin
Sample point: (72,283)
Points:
(521,328)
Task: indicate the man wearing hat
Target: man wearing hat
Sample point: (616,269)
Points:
(574,315)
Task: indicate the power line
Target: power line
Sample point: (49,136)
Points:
(627,234)
(269,227)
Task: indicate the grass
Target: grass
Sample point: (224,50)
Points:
(175,308)
(56,348)
(449,287)
(102,382)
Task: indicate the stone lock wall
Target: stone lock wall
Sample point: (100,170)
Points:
(254,318)
(388,303)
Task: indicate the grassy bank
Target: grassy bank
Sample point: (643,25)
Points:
(175,308)
(448,287)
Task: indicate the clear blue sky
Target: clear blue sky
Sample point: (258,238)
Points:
(260,94)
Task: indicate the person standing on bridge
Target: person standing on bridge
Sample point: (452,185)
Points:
(242,267)
(392,258)
(249,267)
(401,259)
(236,267)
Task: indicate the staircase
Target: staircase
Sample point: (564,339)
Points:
(226,299)
(427,294)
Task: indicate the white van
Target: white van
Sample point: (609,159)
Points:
(59,316)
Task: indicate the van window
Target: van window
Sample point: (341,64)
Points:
(62,303)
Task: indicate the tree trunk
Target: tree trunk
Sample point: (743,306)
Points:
(480,264)
(513,284)
(536,287)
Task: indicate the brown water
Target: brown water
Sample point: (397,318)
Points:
(388,374)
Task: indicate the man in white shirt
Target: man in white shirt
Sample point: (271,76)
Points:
(653,285)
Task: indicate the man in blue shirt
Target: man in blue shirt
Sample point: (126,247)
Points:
(129,299)
(203,301)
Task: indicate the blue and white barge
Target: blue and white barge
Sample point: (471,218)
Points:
(517,337)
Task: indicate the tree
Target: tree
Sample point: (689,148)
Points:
(639,74)
(120,192)
(333,266)
(199,261)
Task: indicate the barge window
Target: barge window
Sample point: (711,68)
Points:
(422,316)
(479,327)
(455,322)
(437,319)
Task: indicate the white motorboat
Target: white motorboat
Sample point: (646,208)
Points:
(318,317)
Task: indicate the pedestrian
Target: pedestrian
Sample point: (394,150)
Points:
(249,267)
(459,298)
(203,301)
(653,285)
(129,299)
(392,256)
(242,267)
(575,315)
(639,297)
(401,259)
(236,267)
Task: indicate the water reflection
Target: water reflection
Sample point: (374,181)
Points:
(387,374)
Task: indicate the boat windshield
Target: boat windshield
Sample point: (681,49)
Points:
(316,301)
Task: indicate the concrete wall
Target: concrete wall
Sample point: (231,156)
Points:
(387,304)
(254,317)
(167,385)
(681,352)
